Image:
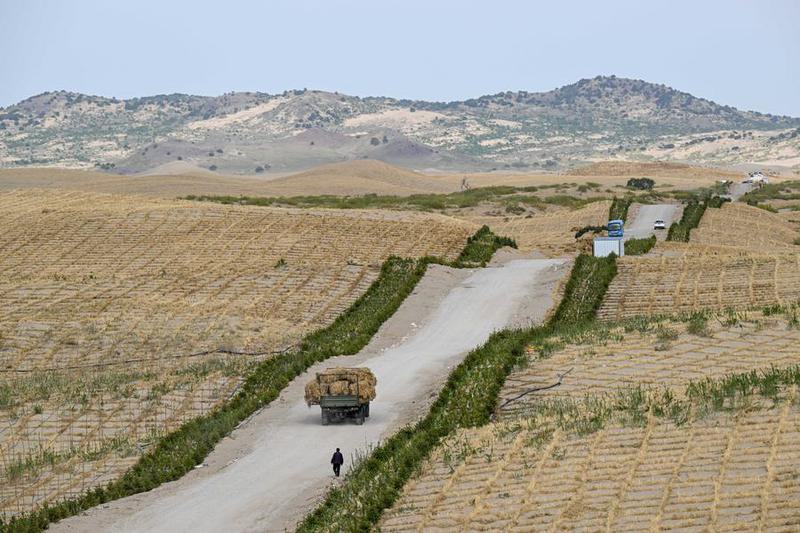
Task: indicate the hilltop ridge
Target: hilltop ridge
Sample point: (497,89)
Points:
(605,117)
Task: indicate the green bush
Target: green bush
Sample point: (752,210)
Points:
(481,247)
(642,184)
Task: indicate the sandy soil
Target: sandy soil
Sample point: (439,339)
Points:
(274,468)
(347,178)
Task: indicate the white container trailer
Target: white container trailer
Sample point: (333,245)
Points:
(605,246)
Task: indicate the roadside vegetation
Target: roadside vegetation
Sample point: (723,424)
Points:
(619,208)
(639,246)
(787,190)
(468,399)
(178,452)
(692,214)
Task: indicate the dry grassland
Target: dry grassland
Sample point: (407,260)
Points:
(658,169)
(743,226)
(357,177)
(551,232)
(730,471)
(106,301)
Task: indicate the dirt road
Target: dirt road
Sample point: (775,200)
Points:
(738,190)
(643,217)
(275,467)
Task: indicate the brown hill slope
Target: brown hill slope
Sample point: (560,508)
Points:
(357,177)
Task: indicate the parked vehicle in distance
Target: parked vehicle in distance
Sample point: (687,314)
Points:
(659,224)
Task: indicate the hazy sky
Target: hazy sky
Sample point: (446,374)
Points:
(741,53)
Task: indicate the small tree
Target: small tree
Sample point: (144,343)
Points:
(212,168)
(374,141)
(259,169)
(642,184)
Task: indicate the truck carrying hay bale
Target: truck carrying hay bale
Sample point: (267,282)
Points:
(342,382)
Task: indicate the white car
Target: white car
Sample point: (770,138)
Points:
(659,224)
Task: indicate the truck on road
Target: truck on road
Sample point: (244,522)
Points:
(342,393)
(615,228)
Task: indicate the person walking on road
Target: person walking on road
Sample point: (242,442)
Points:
(337,461)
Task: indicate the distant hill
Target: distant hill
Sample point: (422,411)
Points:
(251,133)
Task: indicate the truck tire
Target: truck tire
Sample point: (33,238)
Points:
(325,418)
(366,410)
(360,416)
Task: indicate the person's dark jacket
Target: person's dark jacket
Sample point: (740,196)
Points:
(337,458)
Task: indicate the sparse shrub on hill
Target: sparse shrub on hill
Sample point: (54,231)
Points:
(259,169)
(375,141)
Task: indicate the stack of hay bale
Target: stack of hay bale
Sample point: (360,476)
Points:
(342,382)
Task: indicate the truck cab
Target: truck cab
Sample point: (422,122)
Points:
(615,228)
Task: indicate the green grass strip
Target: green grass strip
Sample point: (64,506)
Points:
(692,214)
(481,247)
(501,194)
(619,208)
(178,452)
(639,246)
(585,289)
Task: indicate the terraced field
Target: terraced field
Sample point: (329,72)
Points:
(664,285)
(733,468)
(663,356)
(121,317)
(720,474)
(740,256)
(550,232)
(743,226)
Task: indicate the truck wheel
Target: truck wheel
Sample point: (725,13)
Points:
(360,416)
(366,410)
(325,418)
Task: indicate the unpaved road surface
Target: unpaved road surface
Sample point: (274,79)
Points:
(645,215)
(275,467)
(738,190)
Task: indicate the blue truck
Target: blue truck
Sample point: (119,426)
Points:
(615,228)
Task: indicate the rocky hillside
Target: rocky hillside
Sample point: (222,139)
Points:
(246,133)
